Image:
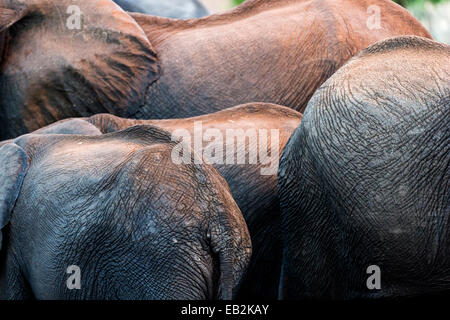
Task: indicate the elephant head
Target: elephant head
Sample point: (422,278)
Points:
(63,58)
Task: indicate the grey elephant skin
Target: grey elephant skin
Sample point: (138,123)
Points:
(179,9)
(116,206)
(364,180)
(254,190)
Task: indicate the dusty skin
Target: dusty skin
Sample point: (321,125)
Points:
(145,67)
(255,194)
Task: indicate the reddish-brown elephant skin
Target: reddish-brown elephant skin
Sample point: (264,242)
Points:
(51,72)
(277,51)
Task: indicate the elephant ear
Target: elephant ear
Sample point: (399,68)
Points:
(67,58)
(13,167)
(9,16)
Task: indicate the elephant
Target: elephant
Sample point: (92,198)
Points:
(117,208)
(179,9)
(253,186)
(364,180)
(273,51)
(94,59)
(139,66)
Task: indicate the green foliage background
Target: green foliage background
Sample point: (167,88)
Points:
(405,3)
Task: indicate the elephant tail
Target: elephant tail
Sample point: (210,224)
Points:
(230,242)
(225,287)
(13,167)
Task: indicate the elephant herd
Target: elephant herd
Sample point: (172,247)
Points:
(119,157)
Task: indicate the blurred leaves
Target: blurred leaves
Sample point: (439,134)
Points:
(407,3)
